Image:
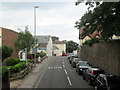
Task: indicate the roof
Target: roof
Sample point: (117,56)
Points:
(58,42)
(55,48)
(2,28)
(42,45)
(42,39)
(93,35)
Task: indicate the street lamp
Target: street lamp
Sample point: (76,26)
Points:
(35,33)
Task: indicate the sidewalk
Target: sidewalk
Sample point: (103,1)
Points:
(30,79)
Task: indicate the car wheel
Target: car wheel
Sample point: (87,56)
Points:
(96,88)
(78,72)
(89,82)
(83,77)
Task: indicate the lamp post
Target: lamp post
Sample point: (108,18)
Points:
(35,33)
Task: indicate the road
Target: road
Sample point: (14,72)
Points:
(58,73)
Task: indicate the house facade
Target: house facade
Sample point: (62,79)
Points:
(61,47)
(44,44)
(8,38)
(83,38)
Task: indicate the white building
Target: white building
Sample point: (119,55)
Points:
(44,44)
(61,47)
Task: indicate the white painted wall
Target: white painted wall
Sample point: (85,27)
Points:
(49,47)
(62,47)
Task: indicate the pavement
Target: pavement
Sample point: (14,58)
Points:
(29,80)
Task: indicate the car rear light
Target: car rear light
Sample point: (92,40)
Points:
(92,72)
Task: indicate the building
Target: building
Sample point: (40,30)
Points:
(83,38)
(44,44)
(61,47)
(8,38)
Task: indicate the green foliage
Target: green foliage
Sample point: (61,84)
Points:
(71,46)
(4,69)
(91,42)
(25,40)
(41,54)
(6,52)
(104,18)
(18,67)
(11,61)
(28,60)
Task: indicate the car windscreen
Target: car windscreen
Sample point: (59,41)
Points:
(83,64)
(97,72)
(76,60)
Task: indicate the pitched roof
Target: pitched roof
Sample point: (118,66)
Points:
(42,45)
(42,39)
(55,47)
(93,35)
(58,42)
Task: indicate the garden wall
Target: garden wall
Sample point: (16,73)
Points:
(103,55)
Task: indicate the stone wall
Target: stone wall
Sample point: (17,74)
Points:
(103,55)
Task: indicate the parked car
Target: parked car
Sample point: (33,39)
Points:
(75,61)
(69,55)
(71,58)
(81,66)
(107,82)
(64,54)
(91,74)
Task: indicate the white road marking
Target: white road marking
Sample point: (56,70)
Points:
(64,66)
(69,81)
(65,71)
(60,67)
(54,67)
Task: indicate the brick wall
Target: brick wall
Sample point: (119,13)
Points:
(8,38)
(103,55)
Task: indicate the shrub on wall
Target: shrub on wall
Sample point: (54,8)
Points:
(18,67)
(11,61)
(6,52)
(41,54)
(91,41)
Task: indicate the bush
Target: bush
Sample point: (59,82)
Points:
(41,54)
(5,69)
(18,67)
(11,61)
(28,60)
(6,52)
(91,41)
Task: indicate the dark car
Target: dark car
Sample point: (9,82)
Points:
(91,74)
(81,66)
(75,61)
(107,82)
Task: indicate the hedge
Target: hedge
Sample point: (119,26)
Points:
(11,61)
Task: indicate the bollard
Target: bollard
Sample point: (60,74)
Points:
(6,81)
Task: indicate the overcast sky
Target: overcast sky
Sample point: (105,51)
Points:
(53,18)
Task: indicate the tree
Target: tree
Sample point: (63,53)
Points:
(6,52)
(25,40)
(71,46)
(104,18)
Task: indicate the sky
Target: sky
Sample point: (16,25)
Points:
(52,18)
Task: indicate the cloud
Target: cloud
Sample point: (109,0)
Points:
(52,18)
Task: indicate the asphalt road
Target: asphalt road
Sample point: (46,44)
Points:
(58,73)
